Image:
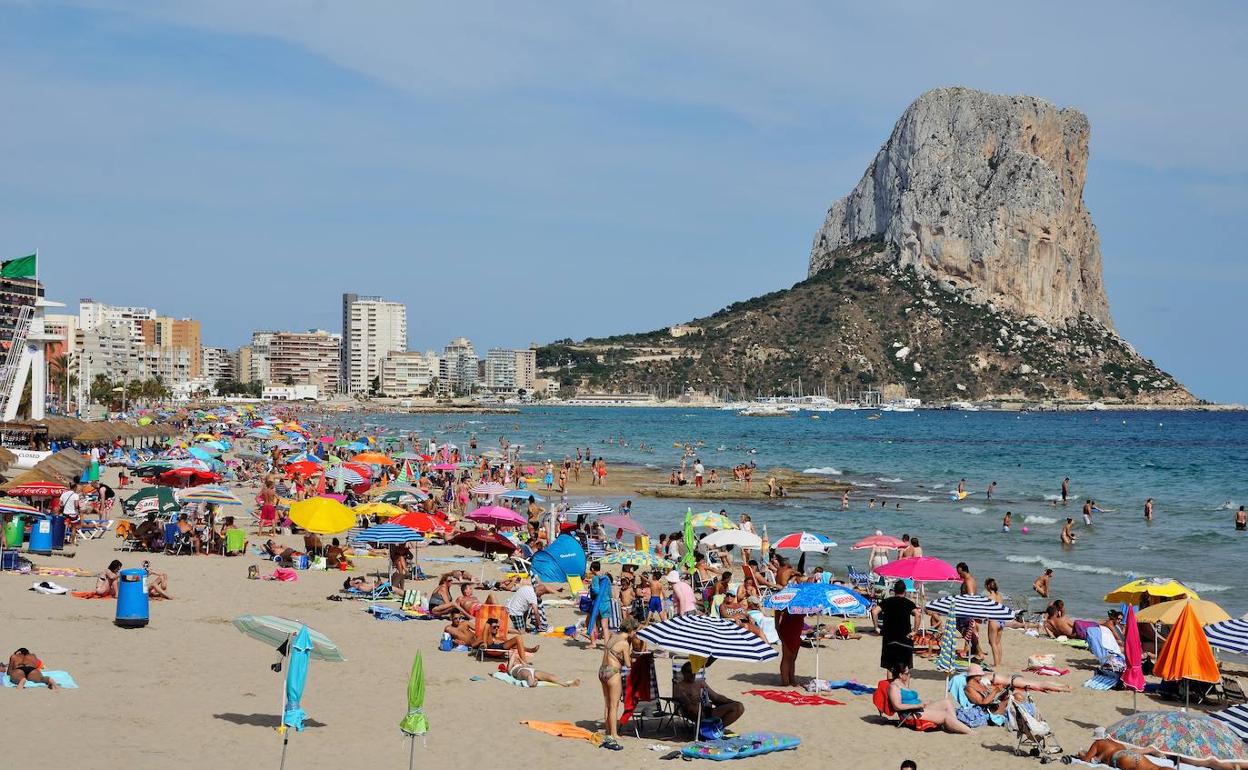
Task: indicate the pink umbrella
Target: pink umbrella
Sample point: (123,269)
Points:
(497,516)
(620,521)
(877,541)
(327,439)
(921,569)
(1133,677)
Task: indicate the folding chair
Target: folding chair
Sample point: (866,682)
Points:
(485,613)
(857,578)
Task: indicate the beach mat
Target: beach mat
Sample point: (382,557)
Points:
(62,679)
(747,745)
(88,595)
(1102,682)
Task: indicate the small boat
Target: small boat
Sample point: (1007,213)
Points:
(764,410)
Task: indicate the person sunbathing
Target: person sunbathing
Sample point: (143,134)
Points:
(467,602)
(1111,753)
(25,667)
(460,632)
(906,702)
(530,675)
(157,582)
(361,584)
(988,690)
(491,639)
(1056,624)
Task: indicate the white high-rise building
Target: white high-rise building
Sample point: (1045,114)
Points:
(408,373)
(457,372)
(526,369)
(509,371)
(373,328)
(219,364)
(258,368)
(92,315)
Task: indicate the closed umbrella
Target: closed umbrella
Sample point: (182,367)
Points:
(296,678)
(1133,676)
(945,658)
(1184,734)
(415,723)
(322,515)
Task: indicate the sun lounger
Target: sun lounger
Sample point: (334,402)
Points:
(1236,717)
(376,594)
(857,578)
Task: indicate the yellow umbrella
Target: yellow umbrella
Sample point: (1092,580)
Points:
(381,510)
(205,437)
(1167,613)
(322,515)
(1163,588)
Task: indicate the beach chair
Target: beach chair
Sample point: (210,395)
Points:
(911,720)
(1035,737)
(858,579)
(235,542)
(483,614)
(1111,663)
(95,530)
(382,591)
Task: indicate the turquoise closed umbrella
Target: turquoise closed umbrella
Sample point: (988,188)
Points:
(296,678)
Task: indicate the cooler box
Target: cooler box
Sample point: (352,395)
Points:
(132,599)
(642,543)
(41,536)
(58,532)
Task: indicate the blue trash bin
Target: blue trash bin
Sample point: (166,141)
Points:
(132,599)
(58,532)
(41,536)
(171,533)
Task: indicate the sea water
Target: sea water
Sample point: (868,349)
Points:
(1193,464)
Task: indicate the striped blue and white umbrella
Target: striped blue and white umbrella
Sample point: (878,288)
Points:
(385,534)
(707,636)
(490,488)
(1229,635)
(348,476)
(1236,717)
(591,508)
(971,606)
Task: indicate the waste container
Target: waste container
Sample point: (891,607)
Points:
(58,532)
(132,599)
(41,536)
(13,535)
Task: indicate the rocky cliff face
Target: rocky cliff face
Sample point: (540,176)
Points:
(985,193)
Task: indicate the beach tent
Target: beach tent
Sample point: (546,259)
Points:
(562,559)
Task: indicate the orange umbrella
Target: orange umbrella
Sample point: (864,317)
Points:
(1187,654)
(372,458)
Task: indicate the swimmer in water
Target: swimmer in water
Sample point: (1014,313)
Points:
(1005,521)
(1241,520)
(845,501)
(991,488)
(1087,512)
(1148,509)
(961,487)
(1068,535)
(1065,489)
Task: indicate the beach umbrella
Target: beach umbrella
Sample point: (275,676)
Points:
(974,606)
(818,599)
(422,522)
(708,637)
(1167,613)
(484,541)
(878,541)
(409,456)
(385,534)
(379,509)
(38,489)
(712,519)
(1235,717)
(921,569)
(158,500)
(945,657)
(729,537)
(302,468)
(1184,734)
(344,474)
(1159,587)
(276,632)
(445,467)
(497,516)
(372,458)
(521,494)
(296,679)
(322,515)
(1133,675)
(806,542)
(1229,635)
(186,477)
(622,522)
(415,723)
(591,508)
(1186,653)
(401,497)
(406,474)
(9,505)
(639,559)
(250,456)
(202,454)
(209,495)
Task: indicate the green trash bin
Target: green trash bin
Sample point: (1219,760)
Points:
(13,532)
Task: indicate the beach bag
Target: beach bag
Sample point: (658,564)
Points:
(584,604)
(710,729)
(1039,661)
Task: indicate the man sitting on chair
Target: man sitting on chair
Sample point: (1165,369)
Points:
(688,694)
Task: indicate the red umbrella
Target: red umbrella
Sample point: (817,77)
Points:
(365,472)
(186,477)
(303,468)
(485,541)
(423,522)
(38,489)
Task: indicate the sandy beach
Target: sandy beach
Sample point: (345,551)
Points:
(190,691)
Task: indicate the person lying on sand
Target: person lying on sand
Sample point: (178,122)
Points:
(530,675)
(1111,753)
(461,633)
(24,667)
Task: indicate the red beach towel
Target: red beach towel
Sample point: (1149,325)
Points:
(794,698)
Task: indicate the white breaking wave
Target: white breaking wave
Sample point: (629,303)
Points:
(888,481)
(1054,498)
(972,510)
(863,484)
(916,498)
(826,471)
(1034,519)
(1056,564)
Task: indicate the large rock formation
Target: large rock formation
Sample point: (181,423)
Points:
(985,192)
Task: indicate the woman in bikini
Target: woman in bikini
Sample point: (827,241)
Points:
(530,675)
(617,656)
(440,601)
(24,666)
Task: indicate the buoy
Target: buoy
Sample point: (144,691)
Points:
(1025,530)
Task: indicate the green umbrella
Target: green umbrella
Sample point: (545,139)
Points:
(415,723)
(158,500)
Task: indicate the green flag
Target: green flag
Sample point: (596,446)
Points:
(21,267)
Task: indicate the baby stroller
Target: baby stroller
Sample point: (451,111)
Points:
(1035,737)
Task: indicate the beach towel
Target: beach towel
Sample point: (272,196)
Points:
(642,685)
(452,560)
(283,574)
(856,688)
(794,698)
(62,679)
(381,612)
(1102,681)
(509,679)
(747,745)
(563,730)
(88,595)
(62,572)
(1048,670)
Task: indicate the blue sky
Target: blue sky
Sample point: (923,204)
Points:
(525,173)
